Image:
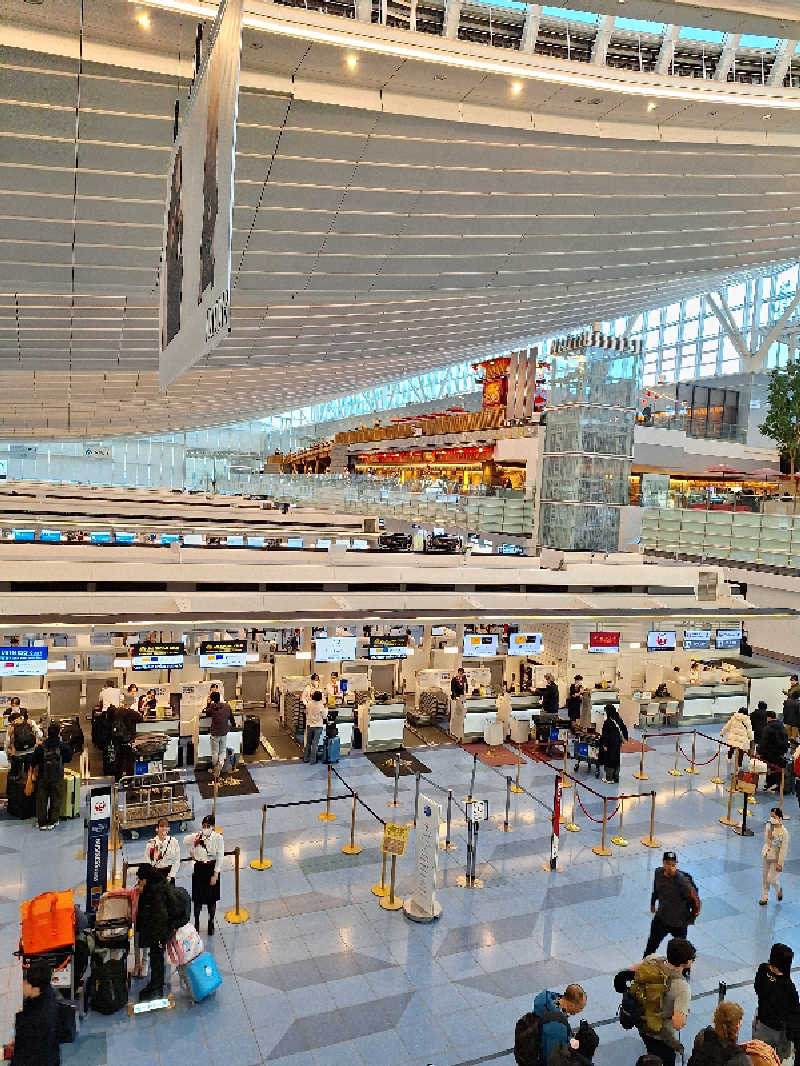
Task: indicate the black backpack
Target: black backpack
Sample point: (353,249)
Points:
(53,764)
(24,737)
(528,1037)
(108,983)
(120,730)
(179,906)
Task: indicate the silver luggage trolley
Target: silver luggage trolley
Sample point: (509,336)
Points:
(144,798)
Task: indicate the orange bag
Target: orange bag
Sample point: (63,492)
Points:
(48,922)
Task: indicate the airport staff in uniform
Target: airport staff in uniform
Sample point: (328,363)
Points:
(207,849)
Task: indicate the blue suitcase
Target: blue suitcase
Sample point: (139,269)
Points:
(332,746)
(203,976)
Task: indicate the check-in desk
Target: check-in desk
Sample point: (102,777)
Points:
(653,712)
(469,716)
(600,697)
(34,700)
(713,701)
(382,726)
(204,744)
(345,724)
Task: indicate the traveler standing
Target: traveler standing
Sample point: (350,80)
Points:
(312,686)
(23,733)
(503,706)
(50,758)
(777,1018)
(37,1026)
(458,684)
(131,697)
(674,902)
(123,732)
(791,712)
(665,978)
(586,709)
(574,699)
(773,854)
(580,1049)
(613,734)
(315,715)
(555,1010)
(221,718)
(772,749)
(550,695)
(207,848)
(153,926)
(738,732)
(716,1045)
(758,719)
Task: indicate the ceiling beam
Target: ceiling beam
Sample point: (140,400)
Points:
(786,49)
(667,52)
(600,47)
(730,42)
(530,31)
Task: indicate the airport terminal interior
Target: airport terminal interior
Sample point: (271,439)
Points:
(399,477)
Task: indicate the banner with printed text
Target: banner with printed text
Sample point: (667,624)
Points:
(195,274)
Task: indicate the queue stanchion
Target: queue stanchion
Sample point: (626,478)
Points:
(115,883)
(381,888)
(468,799)
(416,800)
(602,848)
(124,873)
(352,848)
(675,772)
(743,830)
(690,769)
(261,863)
(651,841)
(517,788)
(565,781)
(395,802)
(619,839)
(237,916)
(389,902)
(506,826)
(727,820)
(327,815)
(572,826)
(716,779)
(447,844)
(780,793)
(642,776)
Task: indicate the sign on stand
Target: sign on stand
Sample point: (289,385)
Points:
(422,906)
(554,835)
(395,838)
(97,847)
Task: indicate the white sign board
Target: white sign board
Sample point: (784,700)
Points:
(195,275)
(97,451)
(426,861)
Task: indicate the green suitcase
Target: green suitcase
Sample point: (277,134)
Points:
(71,807)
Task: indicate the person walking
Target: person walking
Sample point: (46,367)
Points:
(612,736)
(153,926)
(663,1040)
(773,854)
(772,749)
(37,1027)
(738,732)
(574,700)
(716,1045)
(777,1017)
(49,760)
(221,718)
(315,716)
(557,1008)
(674,903)
(207,848)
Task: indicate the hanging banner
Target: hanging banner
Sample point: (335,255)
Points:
(99,827)
(423,905)
(195,274)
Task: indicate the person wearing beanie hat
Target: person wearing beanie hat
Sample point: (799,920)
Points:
(36,1029)
(49,759)
(153,926)
(580,1049)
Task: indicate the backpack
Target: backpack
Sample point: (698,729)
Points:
(528,1037)
(120,730)
(24,737)
(643,1003)
(53,765)
(690,894)
(108,982)
(179,906)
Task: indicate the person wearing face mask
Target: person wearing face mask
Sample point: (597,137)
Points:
(206,848)
(773,854)
(37,1027)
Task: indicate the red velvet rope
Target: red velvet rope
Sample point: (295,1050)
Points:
(695,762)
(597,821)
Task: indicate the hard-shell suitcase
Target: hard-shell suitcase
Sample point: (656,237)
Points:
(71,806)
(19,805)
(251,735)
(116,913)
(203,976)
(48,922)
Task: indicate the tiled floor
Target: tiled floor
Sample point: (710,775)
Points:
(321,976)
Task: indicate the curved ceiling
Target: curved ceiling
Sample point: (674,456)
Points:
(389,219)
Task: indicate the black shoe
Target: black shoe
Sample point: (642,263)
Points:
(210,928)
(150,992)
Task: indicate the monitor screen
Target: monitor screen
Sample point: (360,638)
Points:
(343,543)
(725,639)
(438,531)
(219,653)
(255,542)
(437,631)
(478,644)
(360,545)
(603,642)
(334,649)
(170,538)
(661,640)
(235,541)
(194,540)
(124,538)
(157,656)
(294,542)
(50,536)
(697,638)
(23,534)
(388,647)
(525,644)
(323,542)
(100,538)
(511,549)
(23,662)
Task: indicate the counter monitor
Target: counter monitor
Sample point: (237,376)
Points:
(255,542)
(726,639)
(23,662)
(124,538)
(392,647)
(223,653)
(661,640)
(50,536)
(157,656)
(194,540)
(360,545)
(604,642)
(294,542)
(235,541)
(477,645)
(170,538)
(22,534)
(323,542)
(525,644)
(334,649)
(100,538)
(697,638)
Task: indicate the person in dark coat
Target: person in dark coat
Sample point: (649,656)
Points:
(758,719)
(718,1042)
(37,1026)
(791,712)
(777,1020)
(773,747)
(550,696)
(153,926)
(611,739)
(574,700)
(50,758)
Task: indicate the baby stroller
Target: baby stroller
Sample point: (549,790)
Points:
(109,983)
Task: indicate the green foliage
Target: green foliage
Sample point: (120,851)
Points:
(782,423)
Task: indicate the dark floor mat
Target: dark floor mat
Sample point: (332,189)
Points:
(409,764)
(237,782)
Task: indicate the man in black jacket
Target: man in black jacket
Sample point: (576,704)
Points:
(549,694)
(674,903)
(50,758)
(153,926)
(758,719)
(37,1027)
(772,749)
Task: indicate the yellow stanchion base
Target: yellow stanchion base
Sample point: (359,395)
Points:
(507,828)
(729,821)
(258,864)
(599,850)
(548,869)
(444,846)
(675,773)
(572,828)
(391,904)
(752,801)
(650,842)
(462,882)
(351,849)
(565,784)
(689,770)
(327,816)
(237,917)
(517,790)
(641,777)
(621,842)
(380,890)
(399,803)
(717,781)
(562,820)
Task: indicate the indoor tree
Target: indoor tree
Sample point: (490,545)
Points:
(782,423)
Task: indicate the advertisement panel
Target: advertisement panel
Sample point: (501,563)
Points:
(423,904)
(697,638)
(480,644)
(388,647)
(603,641)
(726,639)
(661,640)
(195,274)
(23,662)
(525,644)
(334,649)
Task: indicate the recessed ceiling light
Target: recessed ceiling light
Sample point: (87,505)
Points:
(352,62)
(767,116)
(144,20)
(652,105)
(516,87)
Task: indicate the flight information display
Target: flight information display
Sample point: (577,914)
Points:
(157,656)
(223,653)
(388,647)
(479,644)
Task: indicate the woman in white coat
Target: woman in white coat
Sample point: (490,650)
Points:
(773,854)
(738,732)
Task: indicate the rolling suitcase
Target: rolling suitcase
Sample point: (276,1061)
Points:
(72,734)
(48,922)
(251,735)
(203,976)
(71,807)
(20,805)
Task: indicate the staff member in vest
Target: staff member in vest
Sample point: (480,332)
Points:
(163,853)
(50,759)
(332,689)
(207,849)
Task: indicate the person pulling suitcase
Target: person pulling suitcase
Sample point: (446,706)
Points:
(49,760)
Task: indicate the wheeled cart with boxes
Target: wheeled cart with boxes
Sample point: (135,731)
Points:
(144,798)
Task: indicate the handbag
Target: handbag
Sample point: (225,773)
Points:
(30,780)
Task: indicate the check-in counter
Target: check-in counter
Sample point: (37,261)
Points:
(600,697)
(204,744)
(469,716)
(345,724)
(382,726)
(713,701)
(33,700)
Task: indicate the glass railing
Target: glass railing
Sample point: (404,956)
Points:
(771,537)
(682,423)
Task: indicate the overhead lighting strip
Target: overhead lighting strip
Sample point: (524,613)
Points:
(488,66)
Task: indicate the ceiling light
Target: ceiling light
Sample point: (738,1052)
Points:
(144,20)
(652,105)
(352,62)
(767,116)
(516,87)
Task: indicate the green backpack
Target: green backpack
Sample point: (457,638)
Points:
(648,988)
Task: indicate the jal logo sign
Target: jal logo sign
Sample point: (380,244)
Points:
(100,807)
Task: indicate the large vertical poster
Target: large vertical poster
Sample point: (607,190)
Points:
(195,275)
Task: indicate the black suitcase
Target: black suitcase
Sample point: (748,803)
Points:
(72,734)
(20,805)
(251,735)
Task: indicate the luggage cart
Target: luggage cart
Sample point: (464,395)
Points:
(586,748)
(144,798)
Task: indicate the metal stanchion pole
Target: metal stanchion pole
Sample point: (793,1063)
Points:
(619,839)
(780,794)
(381,889)
(468,799)
(469,880)
(517,788)
(395,802)
(448,844)
(650,841)
(642,776)
(327,815)
(716,779)
(352,848)
(238,915)
(261,863)
(214,800)
(116,847)
(675,772)
(602,849)
(125,873)
(572,826)
(390,903)
(506,826)
(742,830)
(690,769)
(727,820)
(565,781)
(416,800)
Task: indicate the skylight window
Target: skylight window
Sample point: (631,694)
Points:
(570,15)
(639,26)
(694,33)
(755,40)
